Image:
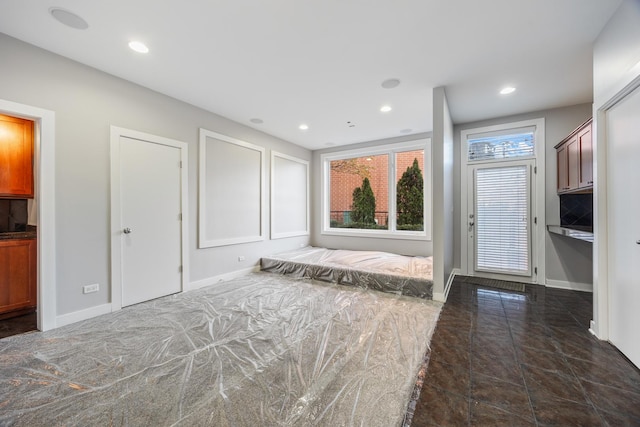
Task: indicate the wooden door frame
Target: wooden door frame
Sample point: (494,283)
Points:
(44,174)
(116,211)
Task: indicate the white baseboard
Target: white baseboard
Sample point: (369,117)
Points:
(573,286)
(222,278)
(87,313)
(592,329)
(442,297)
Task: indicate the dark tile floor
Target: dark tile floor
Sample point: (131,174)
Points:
(18,325)
(505,358)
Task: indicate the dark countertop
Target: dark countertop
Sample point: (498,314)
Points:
(31,233)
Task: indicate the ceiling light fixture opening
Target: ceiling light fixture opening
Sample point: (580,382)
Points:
(68,18)
(406,130)
(303,127)
(138,47)
(507,90)
(390,83)
(256,121)
(385,108)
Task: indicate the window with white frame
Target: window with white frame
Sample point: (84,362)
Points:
(382,191)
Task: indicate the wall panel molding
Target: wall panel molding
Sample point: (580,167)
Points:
(231,191)
(289,196)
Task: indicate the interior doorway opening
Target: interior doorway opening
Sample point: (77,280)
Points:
(44,210)
(18,227)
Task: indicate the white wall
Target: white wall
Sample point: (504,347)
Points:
(399,246)
(616,64)
(86,102)
(443,194)
(568,261)
(616,52)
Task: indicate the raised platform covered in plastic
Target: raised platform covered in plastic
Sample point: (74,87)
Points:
(261,350)
(380,271)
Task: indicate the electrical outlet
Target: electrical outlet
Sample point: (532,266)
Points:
(240,258)
(90,288)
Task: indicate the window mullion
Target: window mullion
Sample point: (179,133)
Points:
(392,192)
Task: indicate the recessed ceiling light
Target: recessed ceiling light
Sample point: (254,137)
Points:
(303,127)
(68,18)
(138,47)
(406,130)
(507,90)
(257,121)
(385,108)
(390,83)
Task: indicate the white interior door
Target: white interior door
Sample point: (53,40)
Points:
(499,219)
(150,206)
(623,133)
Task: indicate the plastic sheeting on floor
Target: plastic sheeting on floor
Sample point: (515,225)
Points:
(262,350)
(380,271)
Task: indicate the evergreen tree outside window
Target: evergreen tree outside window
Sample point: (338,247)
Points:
(410,199)
(364,205)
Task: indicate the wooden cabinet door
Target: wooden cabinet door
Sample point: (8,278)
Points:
(586,157)
(16,157)
(563,168)
(573,160)
(18,281)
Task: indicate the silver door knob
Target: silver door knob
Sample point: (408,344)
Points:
(637,242)
(127,230)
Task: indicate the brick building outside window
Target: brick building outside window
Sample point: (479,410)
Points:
(348,174)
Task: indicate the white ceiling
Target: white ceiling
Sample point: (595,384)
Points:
(322,62)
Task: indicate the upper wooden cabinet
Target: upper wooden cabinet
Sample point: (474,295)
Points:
(16,157)
(575,161)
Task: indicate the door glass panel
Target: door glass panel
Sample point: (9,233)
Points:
(502,220)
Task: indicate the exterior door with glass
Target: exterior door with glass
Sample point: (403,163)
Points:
(499,214)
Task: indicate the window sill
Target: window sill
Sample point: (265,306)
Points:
(377,234)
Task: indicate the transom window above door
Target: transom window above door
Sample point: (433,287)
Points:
(505,145)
